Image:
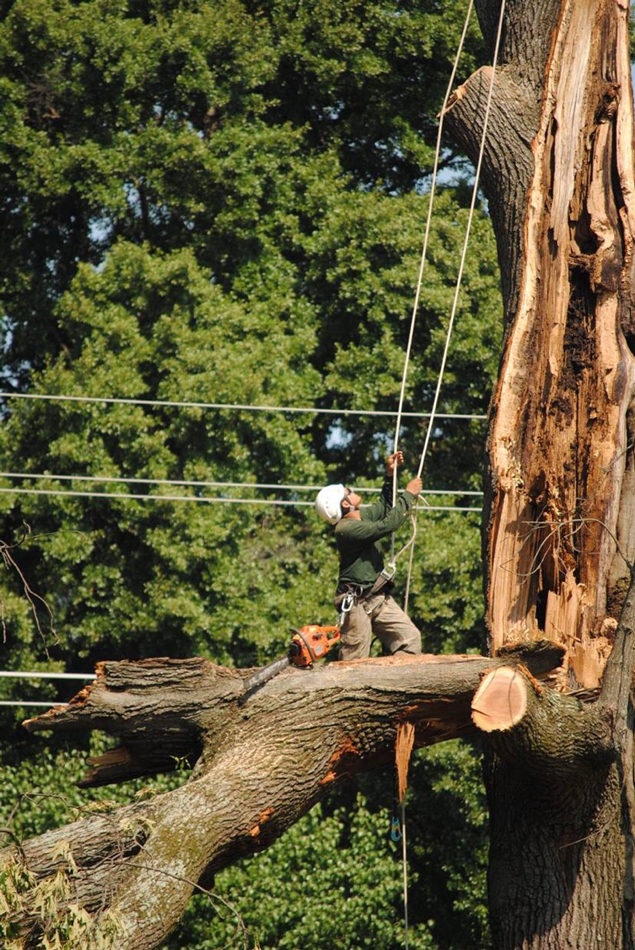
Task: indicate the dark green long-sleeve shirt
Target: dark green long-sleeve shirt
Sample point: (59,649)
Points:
(360,557)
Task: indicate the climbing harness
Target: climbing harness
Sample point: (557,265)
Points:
(348,601)
(353,594)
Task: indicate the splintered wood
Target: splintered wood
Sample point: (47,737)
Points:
(403,749)
(559,440)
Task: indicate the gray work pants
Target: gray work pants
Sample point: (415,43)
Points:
(382,617)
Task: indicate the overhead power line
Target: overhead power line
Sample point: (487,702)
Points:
(45,675)
(7,702)
(196,499)
(203,484)
(40,675)
(244,407)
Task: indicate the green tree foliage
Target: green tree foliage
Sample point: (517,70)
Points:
(333,880)
(336,878)
(224,202)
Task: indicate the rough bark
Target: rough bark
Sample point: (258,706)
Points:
(261,764)
(560,788)
(559,541)
(557,860)
(559,178)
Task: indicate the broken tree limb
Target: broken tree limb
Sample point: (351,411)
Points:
(159,709)
(162,710)
(500,701)
(261,766)
(551,734)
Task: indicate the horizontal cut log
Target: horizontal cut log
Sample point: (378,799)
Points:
(500,701)
(166,711)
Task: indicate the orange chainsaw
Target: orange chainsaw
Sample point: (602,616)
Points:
(308,644)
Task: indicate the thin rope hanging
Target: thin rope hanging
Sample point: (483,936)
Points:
(424,253)
(459,279)
(410,543)
(404,742)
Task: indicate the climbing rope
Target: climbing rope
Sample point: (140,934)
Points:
(398,825)
(457,288)
(424,253)
(411,541)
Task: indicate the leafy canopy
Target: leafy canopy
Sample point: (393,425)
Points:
(224,202)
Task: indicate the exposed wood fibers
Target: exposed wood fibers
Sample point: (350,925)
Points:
(264,818)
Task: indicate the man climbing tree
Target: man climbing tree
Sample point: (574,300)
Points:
(363,596)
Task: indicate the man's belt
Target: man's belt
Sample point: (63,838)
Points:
(363,593)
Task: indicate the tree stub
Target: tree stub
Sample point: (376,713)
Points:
(500,701)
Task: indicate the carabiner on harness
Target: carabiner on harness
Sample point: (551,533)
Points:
(345,608)
(389,571)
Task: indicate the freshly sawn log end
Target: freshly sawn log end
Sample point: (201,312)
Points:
(500,701)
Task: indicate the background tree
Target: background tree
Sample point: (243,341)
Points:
(226,204)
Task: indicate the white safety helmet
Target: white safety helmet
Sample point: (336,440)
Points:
(328,503)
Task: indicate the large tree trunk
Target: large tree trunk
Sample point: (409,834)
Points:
(558,173)
(560,538)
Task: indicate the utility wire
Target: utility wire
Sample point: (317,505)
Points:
(202,484)
(246,407)
(44,675)
(41,675)
(5,702)
(196,499)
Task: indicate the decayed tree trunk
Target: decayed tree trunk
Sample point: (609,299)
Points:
(560,537)
(559,176)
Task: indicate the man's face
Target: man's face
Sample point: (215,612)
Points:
(351,500)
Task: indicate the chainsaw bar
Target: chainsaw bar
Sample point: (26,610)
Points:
(266,673)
